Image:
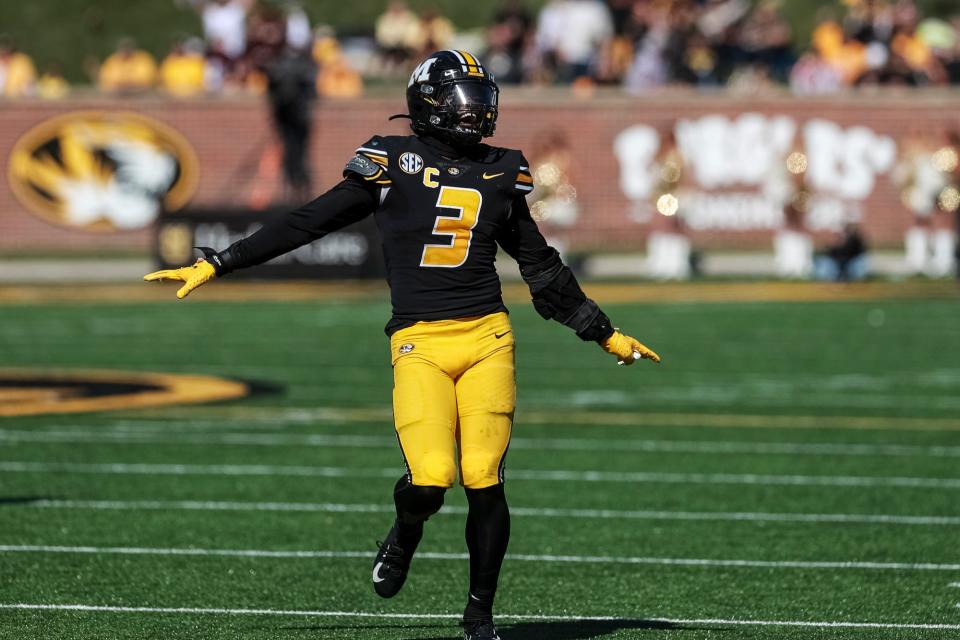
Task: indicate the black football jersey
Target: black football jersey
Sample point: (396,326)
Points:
(440,218)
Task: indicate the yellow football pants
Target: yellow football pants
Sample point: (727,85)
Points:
(454,393)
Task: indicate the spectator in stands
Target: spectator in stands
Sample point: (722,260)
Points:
(183,71)
(841,51)
(17,74)
(869,20)
(266,36)
(217,67)
(650,67)
(699,63)
(326,47)
(569,35)
(299,35)
(952,58)
(436,32)
(128,69)
(337,79)
(942,38)
(917,55)
(224,21)
(766,38)
(507,38)
(398,35)
(812,75)
(52,85)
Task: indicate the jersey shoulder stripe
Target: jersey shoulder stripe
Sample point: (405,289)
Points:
(524,181)
(518,168)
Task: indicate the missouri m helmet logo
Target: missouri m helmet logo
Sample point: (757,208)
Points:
(422,72)
(102,171)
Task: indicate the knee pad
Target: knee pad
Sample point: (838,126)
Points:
(436,469)
(416,503)
(479,470)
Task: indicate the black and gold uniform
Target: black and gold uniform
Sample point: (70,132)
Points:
(444,204)
(442,214)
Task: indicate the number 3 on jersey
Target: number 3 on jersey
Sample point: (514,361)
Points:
(459,228)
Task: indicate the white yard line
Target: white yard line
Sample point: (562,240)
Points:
(13,466)
(154,435)
(426,555)
(450,616)
(635,418)
(608,514)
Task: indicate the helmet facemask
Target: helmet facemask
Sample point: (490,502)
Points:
(471,109)
(465,111)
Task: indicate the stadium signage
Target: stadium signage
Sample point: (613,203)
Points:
(735,173)
(350,253)
(102,171)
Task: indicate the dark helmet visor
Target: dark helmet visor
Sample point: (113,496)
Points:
(472,94)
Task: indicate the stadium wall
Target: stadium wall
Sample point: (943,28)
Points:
(611,150)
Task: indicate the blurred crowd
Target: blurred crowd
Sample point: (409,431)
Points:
(638,44)
(247,47)
(646,44)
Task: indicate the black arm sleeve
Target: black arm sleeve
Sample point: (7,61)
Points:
(348,202)
(556,293)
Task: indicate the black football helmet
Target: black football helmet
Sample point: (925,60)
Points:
(453,97)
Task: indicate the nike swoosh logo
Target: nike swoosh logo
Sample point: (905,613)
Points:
(376,573)
(495,175)
(500,335)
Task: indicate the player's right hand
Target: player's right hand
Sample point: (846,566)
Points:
(195,275)
(628,350)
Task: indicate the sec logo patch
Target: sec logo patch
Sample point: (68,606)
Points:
(411,163)
(406,348)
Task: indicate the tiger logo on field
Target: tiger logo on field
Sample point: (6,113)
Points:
(26,392)
(102,171)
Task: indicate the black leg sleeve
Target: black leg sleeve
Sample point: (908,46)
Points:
(415,505)
(488,532)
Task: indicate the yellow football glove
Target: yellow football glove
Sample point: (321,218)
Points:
(195,275)
(628,350)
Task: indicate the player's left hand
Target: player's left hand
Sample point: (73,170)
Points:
(193,276)
(628,350)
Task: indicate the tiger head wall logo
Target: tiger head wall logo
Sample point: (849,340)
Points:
(102,171)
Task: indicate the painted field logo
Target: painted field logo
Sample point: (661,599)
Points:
(102,171)
(24,392)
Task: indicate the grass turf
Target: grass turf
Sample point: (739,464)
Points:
(850,393)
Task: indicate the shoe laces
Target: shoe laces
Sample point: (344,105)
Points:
(393,558)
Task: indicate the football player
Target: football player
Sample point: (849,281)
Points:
(444,202)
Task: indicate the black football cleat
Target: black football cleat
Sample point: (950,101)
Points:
(392,563)
(482,629)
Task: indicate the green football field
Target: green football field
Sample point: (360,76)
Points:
(791,471)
